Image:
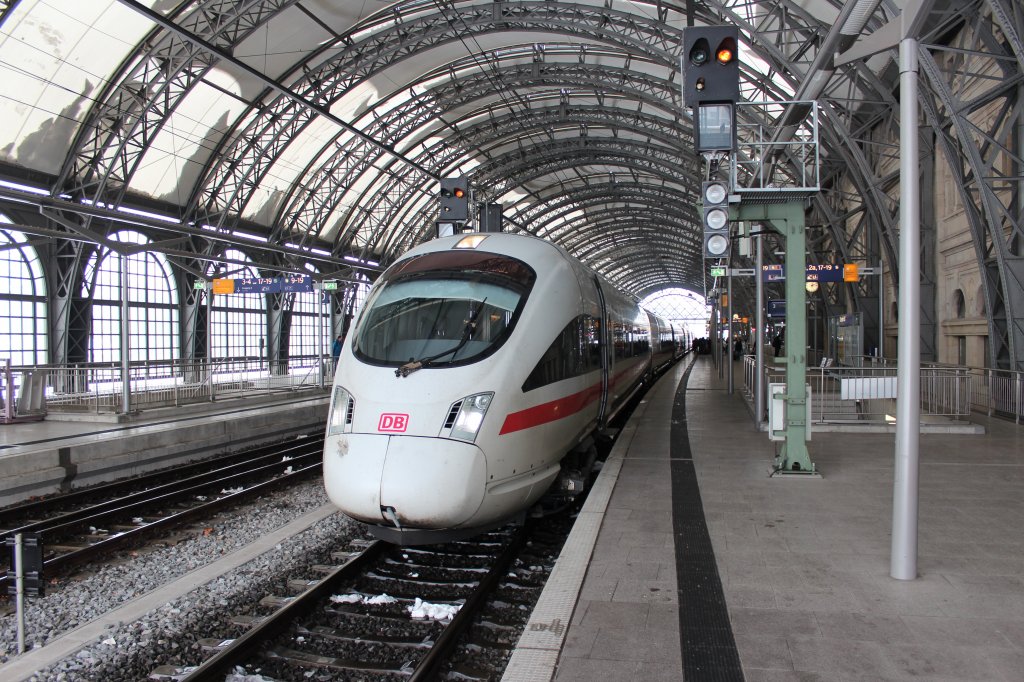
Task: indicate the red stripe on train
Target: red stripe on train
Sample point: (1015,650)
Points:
(551,411)
(557,409)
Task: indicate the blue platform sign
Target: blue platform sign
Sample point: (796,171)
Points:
(825,272)
(274,285)
(777,308)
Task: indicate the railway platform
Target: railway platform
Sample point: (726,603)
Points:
(54,455)
(690,563)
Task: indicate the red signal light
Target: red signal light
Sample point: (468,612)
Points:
(459,192)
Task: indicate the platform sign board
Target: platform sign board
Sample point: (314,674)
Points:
(773,273)
(825,272)
(297,284)
(264,285)
(777,308)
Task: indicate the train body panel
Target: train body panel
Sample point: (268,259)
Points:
(468,376)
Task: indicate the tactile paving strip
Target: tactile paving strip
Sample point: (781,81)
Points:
(705,631)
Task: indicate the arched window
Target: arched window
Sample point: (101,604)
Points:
(238,323)
(22,300)
(302,337)
(959,304)
(152,303)
(684,308)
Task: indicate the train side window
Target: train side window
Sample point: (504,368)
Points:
(568,356)
(592,330)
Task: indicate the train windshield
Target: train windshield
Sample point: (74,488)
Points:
(443,309)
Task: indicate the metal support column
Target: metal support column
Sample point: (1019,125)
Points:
(318,290)
(788,218)
(209,339)
(732,341)
(759,336)
(903,563)
(126,368)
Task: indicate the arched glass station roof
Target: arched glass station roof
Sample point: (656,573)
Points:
(311,134)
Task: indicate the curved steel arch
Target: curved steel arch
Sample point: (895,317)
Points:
(323,193)
(619,192)
(856,204)
(976,128)
(600,233)
(151,83)
(579,233)
(387,38)
(515,169)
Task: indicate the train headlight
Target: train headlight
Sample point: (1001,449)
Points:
(470,416)
(342,407)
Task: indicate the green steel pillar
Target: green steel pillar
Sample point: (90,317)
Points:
(788,219)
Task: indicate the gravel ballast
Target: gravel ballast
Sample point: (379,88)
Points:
(168,635)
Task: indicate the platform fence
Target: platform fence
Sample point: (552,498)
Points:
(998,392)
(867,394)
(99,387)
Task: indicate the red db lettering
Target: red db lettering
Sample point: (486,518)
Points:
(393,423)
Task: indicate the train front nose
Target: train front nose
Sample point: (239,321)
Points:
(427,482)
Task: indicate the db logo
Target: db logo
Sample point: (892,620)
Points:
(394,423)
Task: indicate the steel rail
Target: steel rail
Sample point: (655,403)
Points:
(205,477)
(64,561)
(248,645)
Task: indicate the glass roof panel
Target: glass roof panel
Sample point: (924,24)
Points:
(289,165)
(179,152)
(54,59)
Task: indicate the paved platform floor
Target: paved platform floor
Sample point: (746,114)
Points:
(803,564)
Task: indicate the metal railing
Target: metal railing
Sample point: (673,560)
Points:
(867,395)
(99,387)
(998,392)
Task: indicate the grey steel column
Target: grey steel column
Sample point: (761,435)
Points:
(881,311)
(318,290)
(209,337)
(759,337)
(728,312)
(126,370)
(903,564)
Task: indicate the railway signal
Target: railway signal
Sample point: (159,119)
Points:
(715,212)
(454,200)
(711,84)
(711,65)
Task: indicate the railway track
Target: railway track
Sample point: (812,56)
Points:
(382,613)
(81,527)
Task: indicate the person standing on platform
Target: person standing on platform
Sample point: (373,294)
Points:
(777,344)
(336,350)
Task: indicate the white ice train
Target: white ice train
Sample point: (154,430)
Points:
(479,368)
